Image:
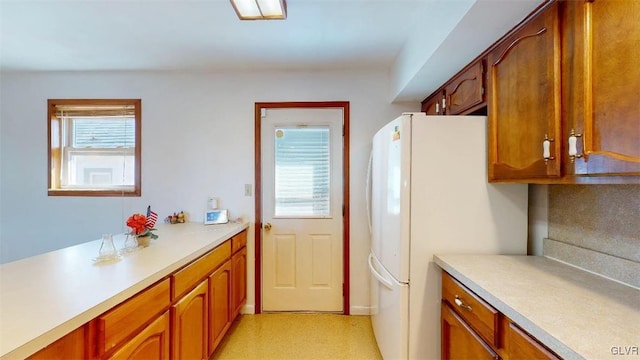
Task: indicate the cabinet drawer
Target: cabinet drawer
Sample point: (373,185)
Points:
(524,346)
(239,241)
(121,322)
(478,314)
(190,276)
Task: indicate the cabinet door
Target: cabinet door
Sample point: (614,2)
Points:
(189,324)
(458,339)
(239,281)
(466,90)
(150,343)
(219,304)
(524,101)
(433,104)
(603,85)
(522,346)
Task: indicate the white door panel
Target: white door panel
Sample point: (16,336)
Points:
(302,201)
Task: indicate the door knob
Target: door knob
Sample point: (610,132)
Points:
(267,226)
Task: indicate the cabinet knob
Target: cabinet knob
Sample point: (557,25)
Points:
(573,146)
(546,149)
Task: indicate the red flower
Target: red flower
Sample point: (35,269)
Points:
(137,223)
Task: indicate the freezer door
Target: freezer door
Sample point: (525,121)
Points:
(390,196)
(389,312)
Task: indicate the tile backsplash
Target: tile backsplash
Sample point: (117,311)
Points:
(596,227)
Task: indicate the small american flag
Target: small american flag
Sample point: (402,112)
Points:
(152,217)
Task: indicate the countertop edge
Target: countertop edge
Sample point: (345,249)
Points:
(523,322)
(49,337)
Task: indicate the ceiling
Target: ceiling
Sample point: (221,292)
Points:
(420,42)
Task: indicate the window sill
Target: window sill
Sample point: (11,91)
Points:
(84,192)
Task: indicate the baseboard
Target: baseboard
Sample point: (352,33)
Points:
(248,309)
(360,310)
(355,310)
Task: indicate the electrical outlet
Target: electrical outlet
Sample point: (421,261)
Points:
(248,190)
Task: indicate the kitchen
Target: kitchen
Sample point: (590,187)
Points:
(194,121)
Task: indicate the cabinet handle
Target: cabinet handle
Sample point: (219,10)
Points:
(573,147)
(444,103)
(461,304)
(437,108)
(546,149)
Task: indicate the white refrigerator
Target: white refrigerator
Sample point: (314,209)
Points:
(429,195)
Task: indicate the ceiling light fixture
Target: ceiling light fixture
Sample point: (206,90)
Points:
(260,9)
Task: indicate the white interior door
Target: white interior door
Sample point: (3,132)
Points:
(302,209)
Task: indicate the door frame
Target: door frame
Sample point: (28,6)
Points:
(344,105)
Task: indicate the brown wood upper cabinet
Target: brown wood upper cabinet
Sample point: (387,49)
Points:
(433,104)
(466,90)
(524,101)
(601,86)
(562,93)
(460,95)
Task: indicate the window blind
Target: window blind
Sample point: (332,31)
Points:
(302,172)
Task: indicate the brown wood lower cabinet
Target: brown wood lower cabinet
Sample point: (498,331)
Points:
(189,319)
(185,315)
(524,346)
(471,330)
(459,341)
(239,281)
(123,321)
(219,305)
(151,343)
(72,346)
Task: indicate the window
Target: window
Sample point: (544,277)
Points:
(94,147)
(302,183)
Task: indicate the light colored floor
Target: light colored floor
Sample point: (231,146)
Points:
(299,336)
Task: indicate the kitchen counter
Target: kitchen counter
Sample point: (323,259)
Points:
(44,297)
(577,314)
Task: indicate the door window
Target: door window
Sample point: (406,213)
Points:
(302,172)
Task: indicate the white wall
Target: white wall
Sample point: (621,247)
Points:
(197,141)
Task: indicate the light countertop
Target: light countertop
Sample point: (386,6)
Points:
(577,314)
(44,297)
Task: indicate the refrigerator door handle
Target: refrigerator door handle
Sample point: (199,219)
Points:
(367,192)
(377,275)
